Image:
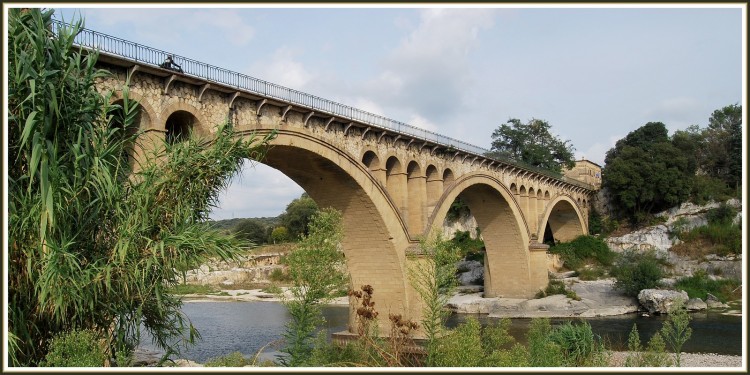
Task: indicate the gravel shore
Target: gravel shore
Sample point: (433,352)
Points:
(690,360)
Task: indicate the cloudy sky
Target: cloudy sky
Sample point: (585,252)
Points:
(595,74)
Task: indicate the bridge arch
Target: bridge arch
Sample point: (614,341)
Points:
(195,122)
(564,218)
(375,237)
(371,160)
(507,262)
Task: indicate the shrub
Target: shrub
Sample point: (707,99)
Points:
(582,249)
(676,330)
(724,214)
(579,345)
(706,188)
(469,248)
(234,359)
(181,289)
(471,345)
(75,349)
(719,237)
(636,271)
(543,352)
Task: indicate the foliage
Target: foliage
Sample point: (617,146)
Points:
(297,216)
(543,352)
(272,289)
(723,214)
(532,143)
(707,189)
(469,248)
(676,330)
(315,268)
(432,274)
(251,230)
(720,236)
(652,356)
(636,271)
(722,149)
(645,172)
(279,235)
(93,243)
(557,287)
(332,354)
(75,349)
(596,224)
(234,359)
(582,250)
(579,345)
(457,210)
(700,285)
(471,345)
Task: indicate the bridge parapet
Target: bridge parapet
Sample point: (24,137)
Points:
(239,84)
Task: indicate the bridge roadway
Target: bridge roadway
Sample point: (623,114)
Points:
(394,183)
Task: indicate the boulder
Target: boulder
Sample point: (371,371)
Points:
(714,303)
(467,265)
(472,277)
(695,304)
(657,301)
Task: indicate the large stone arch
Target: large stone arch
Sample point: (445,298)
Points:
(375,236)
(565,220)
(504,230)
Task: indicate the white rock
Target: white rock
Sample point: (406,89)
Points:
(660,301)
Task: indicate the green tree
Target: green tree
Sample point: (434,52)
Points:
(297,216)
(532,143)
(645,173)
(723,145)
(93,245)
(251,230)
(316,268)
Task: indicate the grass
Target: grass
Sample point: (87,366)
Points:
(699,285)
(181,289)
(557,287)
(716,238)
(588,255)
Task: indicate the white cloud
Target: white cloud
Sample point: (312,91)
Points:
(284,69)
(169,25)
(428,72)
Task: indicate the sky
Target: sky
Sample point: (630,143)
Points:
(594,74)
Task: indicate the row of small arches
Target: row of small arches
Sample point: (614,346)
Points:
(393,166)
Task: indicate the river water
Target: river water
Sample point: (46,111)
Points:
(249,327)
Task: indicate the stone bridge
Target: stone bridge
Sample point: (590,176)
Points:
(393,183)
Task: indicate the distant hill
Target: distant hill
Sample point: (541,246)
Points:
(229,224)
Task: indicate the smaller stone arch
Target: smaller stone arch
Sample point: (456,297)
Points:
(395,182)
(513,188)
(562,220)
(546,195)
(448,177)
(198,124)
(416,186)
(371,160)
(178,126)
(434,187)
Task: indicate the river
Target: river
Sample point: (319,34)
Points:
(248,327)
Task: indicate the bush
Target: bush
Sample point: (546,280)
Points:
(699,285)
(234,359)
(584,249)
(75,349)
(579,345)
(718,237)
(470,248)
(724,214)
(636,271)
(706,188)
(543,352)
(471,345)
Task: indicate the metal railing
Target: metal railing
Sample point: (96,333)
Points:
(146,55)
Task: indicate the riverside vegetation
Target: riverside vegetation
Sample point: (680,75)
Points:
(97,247)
